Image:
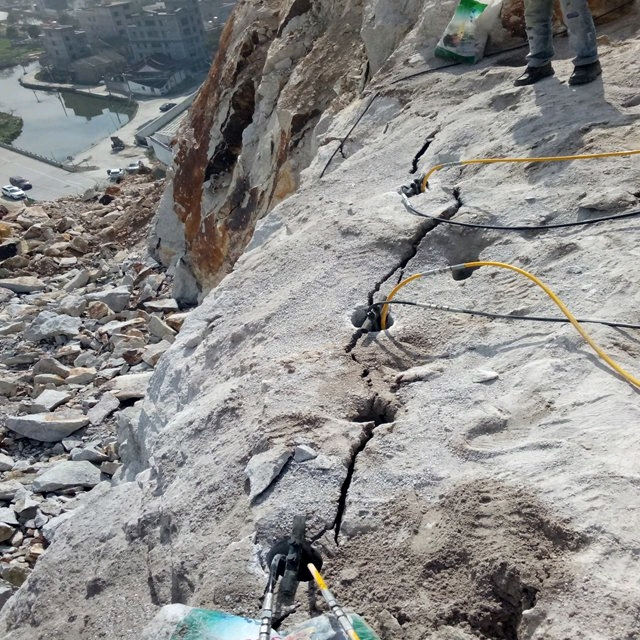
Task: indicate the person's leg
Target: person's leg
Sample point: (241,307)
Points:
(582,35)
(537,17)
(582,32)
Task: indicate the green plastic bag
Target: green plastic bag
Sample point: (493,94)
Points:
(180,622)
(466,35)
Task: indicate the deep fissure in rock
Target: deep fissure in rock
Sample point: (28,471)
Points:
(424,228)
(374,413)
(359,316)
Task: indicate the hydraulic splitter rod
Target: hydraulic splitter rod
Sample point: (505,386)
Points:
(336,609)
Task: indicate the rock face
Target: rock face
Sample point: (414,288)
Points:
(463,476)
(281,64)
(253,128)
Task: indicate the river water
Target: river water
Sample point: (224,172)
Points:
(59,125)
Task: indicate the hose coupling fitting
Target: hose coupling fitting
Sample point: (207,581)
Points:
(414,187)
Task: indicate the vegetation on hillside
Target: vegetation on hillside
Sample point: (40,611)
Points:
(10,127)
(18,44)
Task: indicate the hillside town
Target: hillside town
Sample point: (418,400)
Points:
(135,48)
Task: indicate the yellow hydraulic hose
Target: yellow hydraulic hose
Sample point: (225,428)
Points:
(584,156)
(472,265)
(337,611)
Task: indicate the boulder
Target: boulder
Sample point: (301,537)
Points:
(49,325)
(66,475)
(23,284)
(47,427)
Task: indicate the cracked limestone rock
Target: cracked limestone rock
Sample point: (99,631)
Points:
(49,325)
(264,468)
(47,427)
(23,284)
(67,474)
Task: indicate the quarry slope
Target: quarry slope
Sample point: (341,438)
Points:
(464,477)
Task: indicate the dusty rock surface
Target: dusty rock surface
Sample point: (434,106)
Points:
(77,343)
(466,477)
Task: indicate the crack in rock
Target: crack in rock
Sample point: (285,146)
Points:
(377,412)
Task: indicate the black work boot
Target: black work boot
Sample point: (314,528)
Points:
(533,74)
(585,73)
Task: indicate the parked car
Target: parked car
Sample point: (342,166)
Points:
(20,182)
(115,174)
(13,192)
(134,167)
(167,105)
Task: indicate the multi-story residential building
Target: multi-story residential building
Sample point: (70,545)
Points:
(173,28)
(106,22)
(63,44)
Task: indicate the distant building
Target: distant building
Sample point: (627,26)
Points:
(95,68)
(106,22)
(173,28)
(51,7)
(63,44)
(155,76)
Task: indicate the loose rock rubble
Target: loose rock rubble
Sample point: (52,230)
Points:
(85,316)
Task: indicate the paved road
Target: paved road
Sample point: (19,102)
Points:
(51,183)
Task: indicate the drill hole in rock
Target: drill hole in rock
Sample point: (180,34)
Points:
(462,273)
(368,319)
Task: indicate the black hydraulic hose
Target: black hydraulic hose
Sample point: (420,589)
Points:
(502,316)
(495,227)
(355,124)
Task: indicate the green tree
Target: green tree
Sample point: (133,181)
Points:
(12,18)
(12,32)
(33,30)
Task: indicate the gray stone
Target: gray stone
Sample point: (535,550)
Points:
(6,462)
(66,475)
(303,452)
(24,284)
(264,468)
(11,328)
(110,467)
(116,299)
(47,427)
(484,375)
(44,379)
(49,325)
(153,352)
(165,304)
(107,404)
(26,507)
(6,531)
(185,287)
(81,375)
(130,386)
(72,306)
(6,295)
(176,320)
(49,529)
(8,388)
(87,359)
(70,444)
(50,366)
(51,508)
(9,489)
(79,280)
(5,593)
(8,516)
(40,520)
(160,329)
(15,572)
(80,244)
(89,452)
(49,400)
